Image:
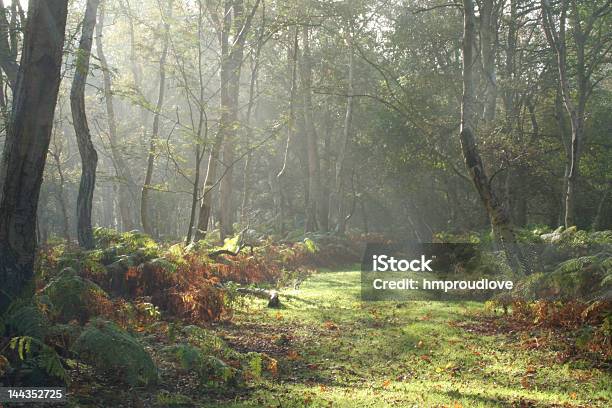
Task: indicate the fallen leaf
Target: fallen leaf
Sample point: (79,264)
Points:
(386,383)
(329,325)
(293,355)
(525,382)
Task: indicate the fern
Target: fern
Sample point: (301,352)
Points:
(43,355)
(110,349)
(255,365)
(24,319)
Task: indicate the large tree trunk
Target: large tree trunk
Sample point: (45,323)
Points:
(128,191)
(312,151)
(27,141)
(145,211)
(498,215)
(89,157)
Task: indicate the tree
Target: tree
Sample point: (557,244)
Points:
(498,215)
(145,215)
(27,142)
(127,189)
(234,25)
(312,150)
(591,46)
(89,156)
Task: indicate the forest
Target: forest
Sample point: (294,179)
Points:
(191,191)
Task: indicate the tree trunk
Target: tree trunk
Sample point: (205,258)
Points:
(145,215)
(488,40)
(557,40)
(127,197)
(312,152)
(498,215)
(346,135)
(202,127)
(61,199)
(89,157)
(27,140)
(209,185)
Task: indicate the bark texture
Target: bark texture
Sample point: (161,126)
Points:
(89,157)
(27,141)
(498,215)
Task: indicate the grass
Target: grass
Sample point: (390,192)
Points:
(335,350)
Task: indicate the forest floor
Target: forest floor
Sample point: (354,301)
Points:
(335,350)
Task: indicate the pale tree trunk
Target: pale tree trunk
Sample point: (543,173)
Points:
(582,26)
(8,53)
(327,179)
(240,26)
(202,126)
(89,157)
(312,152)
(346,135)
(145,211)
(488,42)
(598,220)
(60,196)
(292,59)
(236,24)
(211,171)
(246,181)
(27,140)
(498,215)
(127,189)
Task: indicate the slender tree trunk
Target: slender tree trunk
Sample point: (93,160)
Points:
(488,40)
(346,135)
(61,199)
(89,157)
(498,215)
(202,126)
(312,152)
(246,182)
(598,220)
(557,40)
(127,197)
(209,185)
(8,52)
(27,140)
(145,211)
(292,59)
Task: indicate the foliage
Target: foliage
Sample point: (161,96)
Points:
(111,350)
(214,362)
(34,352)
(70,296)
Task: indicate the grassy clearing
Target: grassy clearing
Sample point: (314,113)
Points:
(334,350)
